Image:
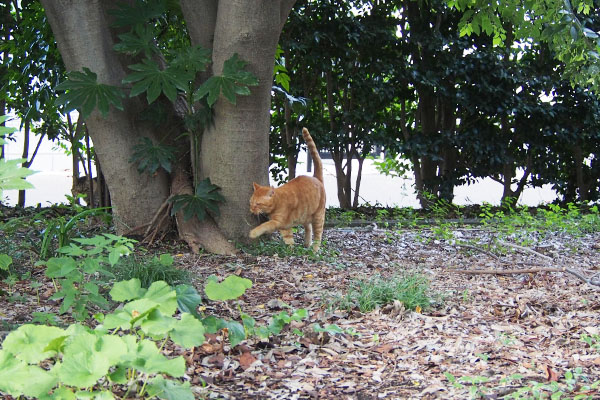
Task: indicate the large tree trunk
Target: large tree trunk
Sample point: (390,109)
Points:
(81,29)
(235,149)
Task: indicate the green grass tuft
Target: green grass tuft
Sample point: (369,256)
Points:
(412,290)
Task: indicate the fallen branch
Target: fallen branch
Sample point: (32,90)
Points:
(489,253)
(594,280)
(524,249)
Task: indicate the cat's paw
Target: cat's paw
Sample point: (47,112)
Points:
(254,233)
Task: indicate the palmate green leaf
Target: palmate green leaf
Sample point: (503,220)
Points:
(150,157)
(206,197)
(5,130)
(231,288)
(28,342)
(192,59)
(12,175)
(140,39)
(169,389)
(151,79)
(84,93)
(234,80)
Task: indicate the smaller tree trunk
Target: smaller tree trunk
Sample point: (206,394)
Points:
(25,156)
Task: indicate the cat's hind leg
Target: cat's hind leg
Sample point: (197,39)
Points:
(318,222)
(307,234)
(288,236)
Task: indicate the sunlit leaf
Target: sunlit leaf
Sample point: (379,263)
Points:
(234,80)
(84,93)
(150,78)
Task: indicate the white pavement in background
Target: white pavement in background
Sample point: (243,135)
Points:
(53,182)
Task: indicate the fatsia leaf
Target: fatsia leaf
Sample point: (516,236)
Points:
(234,80)
(139,40)
(231,288)
(12,175)
(149,78)
(84,93)
(206,197)
(150,157)
(191,59)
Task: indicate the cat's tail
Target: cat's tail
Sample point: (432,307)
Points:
(314,153)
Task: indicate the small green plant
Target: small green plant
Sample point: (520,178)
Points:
(44,318)
(411,290)
(276,325)
(89,363)
(83,274)
(593,341)
(149,269)
(334,329)
(60,231)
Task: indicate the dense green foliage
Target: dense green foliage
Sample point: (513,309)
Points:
(452,101)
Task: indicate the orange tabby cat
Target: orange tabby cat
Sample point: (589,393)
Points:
(300,201)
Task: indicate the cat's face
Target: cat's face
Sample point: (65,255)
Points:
(261,201)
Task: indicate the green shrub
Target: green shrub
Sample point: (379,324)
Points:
(149,269)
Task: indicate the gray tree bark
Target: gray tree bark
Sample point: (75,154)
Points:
(235,150)
(81,29)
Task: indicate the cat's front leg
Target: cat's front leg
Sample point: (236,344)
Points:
(288,236)
(266,227)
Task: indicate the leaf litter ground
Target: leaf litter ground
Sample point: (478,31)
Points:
(480,327)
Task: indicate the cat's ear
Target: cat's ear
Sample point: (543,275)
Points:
(271,191)
(256,186)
